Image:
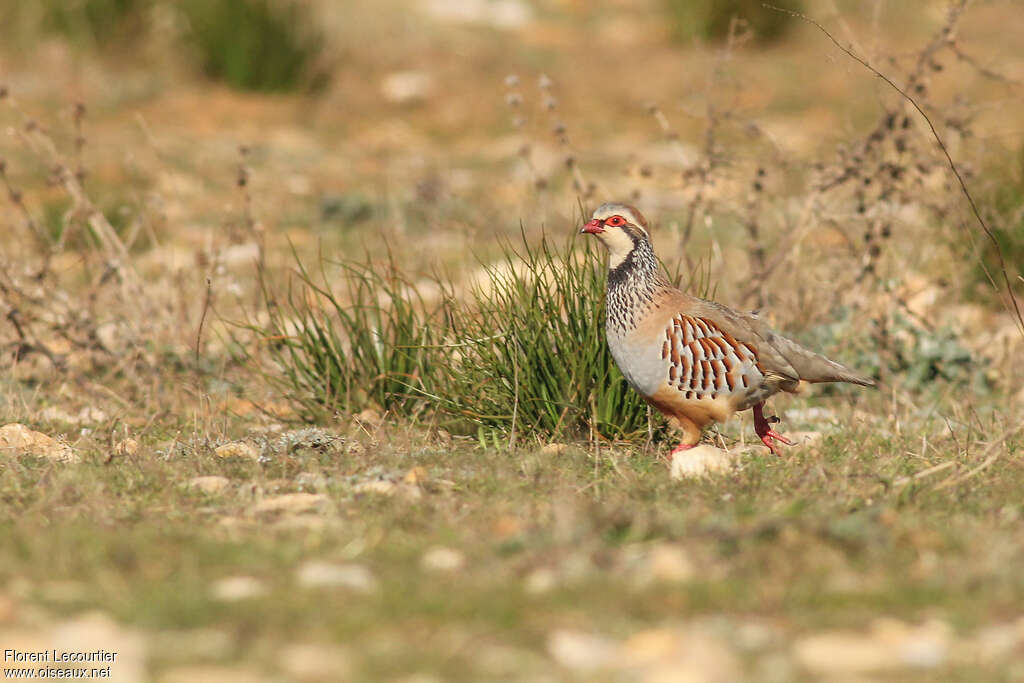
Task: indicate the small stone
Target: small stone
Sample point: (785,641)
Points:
(292,502)
(680,655)
(554,449)
(700,461)
(441,559)
(244,254)
(991,642)
(211,674)
(385,487)
(92,631)
(126,447)
(237,449)
(891,644)
(670,563)
(89,415)
(540,580)
(315,662)
(416,475)
(369,417)
(407,87)
(235,588)
(16,439)
(278,485)
(210,484)
(311,480)
(316,574)
(444,438)
(379,486)
(582,652)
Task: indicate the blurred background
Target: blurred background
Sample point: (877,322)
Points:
(166,165)
(753,144)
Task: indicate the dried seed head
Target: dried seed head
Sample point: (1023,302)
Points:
(30,125)
(513,99)
(646,171)
(540,183)
(550,103)
(524,151)
(15,196)
(79,110)
(570,161)
(544,82)
(559,128)
(652,108)
(511,81)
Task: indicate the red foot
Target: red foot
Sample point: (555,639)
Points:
(678,449)
(681,447)
(765,432)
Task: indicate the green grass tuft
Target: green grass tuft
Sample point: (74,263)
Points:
(261,45)
(526,353)
(534,354)
(373,345)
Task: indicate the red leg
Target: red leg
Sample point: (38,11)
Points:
(678,449)
(765,432)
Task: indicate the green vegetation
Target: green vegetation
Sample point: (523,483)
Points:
(372,345)
(1006,202)
(94,23)
(526,353)
(315,388)
(711,19)
(268,45)
(262,45)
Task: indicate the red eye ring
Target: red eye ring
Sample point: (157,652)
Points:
(615,221)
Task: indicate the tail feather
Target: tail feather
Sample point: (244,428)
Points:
(814,368)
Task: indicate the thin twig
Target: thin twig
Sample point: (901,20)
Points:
(202,318)
(938,138)
(991,454)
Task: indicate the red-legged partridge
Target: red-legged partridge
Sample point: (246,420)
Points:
(696,361)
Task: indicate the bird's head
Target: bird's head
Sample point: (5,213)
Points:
(620,227)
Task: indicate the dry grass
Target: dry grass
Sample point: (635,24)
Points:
(134,233)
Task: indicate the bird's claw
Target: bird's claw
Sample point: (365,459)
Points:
(767,434)
(771,434)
